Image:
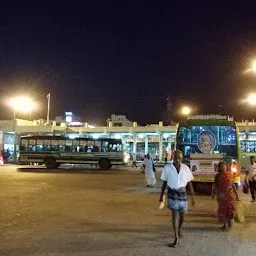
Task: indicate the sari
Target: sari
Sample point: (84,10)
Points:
(226,197)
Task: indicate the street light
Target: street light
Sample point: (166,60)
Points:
(21,104)
(185,111)
(252,69)
(252,99)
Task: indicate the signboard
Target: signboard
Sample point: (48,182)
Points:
(204,166)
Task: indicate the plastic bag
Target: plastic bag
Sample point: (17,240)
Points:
(239,216)
(161,205)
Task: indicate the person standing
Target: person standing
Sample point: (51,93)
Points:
(149,172)
(225,189)
(176,176)
(250,177)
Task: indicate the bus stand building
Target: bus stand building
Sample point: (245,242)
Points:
(152,139)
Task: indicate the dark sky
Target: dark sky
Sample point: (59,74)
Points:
(126,57)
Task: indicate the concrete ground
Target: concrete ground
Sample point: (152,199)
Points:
(92,212)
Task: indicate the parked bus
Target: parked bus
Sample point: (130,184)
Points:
(56,150)
(204,141)
(248,149)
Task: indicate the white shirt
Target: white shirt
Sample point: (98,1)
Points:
(251,169)
(149,164)
(174,179)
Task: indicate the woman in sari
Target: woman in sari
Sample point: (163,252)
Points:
(226,193)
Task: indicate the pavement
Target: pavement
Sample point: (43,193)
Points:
(72,211)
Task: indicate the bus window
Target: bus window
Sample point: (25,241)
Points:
(40,145)
(75,147)
(104,146)
(32,145)
(68,146)
(47,145)
(54,145)
(82,146)
(90,146)
(24,145)
(61,144)
(97,146)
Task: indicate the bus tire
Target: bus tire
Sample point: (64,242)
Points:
(104,164)
(50,163)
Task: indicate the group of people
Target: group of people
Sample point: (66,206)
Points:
(176,176)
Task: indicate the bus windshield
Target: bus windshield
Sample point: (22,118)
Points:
(207,139)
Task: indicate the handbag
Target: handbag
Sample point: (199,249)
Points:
(245,188)
(239,215)
(154,168)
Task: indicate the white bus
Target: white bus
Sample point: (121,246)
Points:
(56,150)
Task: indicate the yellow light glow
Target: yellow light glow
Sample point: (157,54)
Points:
(185,111)
(252,99)
(22,104)
(253,68)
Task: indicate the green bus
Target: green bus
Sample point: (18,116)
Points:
(248,149)
(56,150)
(204,141)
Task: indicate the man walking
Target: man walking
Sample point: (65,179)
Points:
(251,177)
(176,176)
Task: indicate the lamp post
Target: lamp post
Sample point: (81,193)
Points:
(21,104)
(24,105)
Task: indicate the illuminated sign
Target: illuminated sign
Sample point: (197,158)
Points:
(69,118)
(206,142)
(205,117)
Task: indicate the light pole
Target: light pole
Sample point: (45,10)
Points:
(48,107)
(24,105)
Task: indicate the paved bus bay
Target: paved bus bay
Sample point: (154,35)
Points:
(74,211)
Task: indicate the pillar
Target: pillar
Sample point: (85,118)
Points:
(1,140)
(134,144)
(146,144)
(124,139)
(160,147)
(16,146)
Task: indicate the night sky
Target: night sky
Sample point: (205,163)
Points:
(126,57)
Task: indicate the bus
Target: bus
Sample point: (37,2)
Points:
(248,149)
(56,150)
(206,140)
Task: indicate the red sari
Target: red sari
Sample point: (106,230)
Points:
(225,195)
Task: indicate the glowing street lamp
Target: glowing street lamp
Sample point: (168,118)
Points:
(252,99)
(185,111)
(21,104)
(252,69)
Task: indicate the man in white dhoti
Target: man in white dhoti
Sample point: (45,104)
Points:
(176,176)
(149,172)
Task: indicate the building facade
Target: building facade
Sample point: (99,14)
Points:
(139,140)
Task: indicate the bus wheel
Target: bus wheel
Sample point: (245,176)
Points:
(50,163)
(104,164)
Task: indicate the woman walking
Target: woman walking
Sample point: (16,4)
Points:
(226,193)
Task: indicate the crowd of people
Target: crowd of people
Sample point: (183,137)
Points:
(177,176)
